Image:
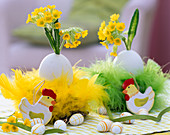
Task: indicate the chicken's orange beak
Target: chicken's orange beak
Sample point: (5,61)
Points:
(125,91)
(53,102)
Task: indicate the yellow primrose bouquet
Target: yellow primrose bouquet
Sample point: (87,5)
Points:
(53,65)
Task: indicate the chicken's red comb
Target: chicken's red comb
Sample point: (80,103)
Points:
(127,83)
(48,92)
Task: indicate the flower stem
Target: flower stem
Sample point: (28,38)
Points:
(62,44)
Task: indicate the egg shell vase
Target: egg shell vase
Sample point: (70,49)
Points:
(130,61)
(53,66)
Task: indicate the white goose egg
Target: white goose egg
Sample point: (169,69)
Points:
(142,111)
(53,66)
(36,121)
(38,129)
(116,128)
(59,124)
(130,61)
(127,114)
(102,110)
(104,125)
(76,119)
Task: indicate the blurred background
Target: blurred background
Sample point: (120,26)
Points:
(24,46)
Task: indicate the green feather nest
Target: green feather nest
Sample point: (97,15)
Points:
(113,78)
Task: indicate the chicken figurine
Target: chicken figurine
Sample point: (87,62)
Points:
(135,100)
(41,109)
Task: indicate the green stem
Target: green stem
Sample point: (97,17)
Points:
(50,39)
(62,44)
(57,38)
(125,42)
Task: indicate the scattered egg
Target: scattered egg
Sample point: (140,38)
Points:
(76,119)
(116,128)
(142,111)
(59,124)
(102,110)
(104,125)
(38,129)
(127,114)
(36,121)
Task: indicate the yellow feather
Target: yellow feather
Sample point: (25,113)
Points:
(82,95)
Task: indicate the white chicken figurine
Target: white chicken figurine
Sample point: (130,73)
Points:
(41,109)
(135,100)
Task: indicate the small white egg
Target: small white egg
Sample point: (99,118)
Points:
(127,114)
(76,119)
(142,111)
(38,129)
(59,124)
(116,128)
(102,110)
(104,125)
(36,121)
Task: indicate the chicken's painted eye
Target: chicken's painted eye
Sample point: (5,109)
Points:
(48,97)
(128,86)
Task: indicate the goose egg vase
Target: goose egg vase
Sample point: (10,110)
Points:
(130,61)
(53,66)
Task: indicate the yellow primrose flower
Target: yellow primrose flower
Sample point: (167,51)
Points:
(41,9)
(11,119)
(77,35)
(36,10)
(50,7)
(120,26)
(117,41)
(47,13)
(66,36)
(61,33)
(101,35)
(40,22)
(67,45)
(29,19)
(104,44)
(14,128)
(27,122)
(114,17)
(76,43)
(110,39)
(57,25)
(113,54)
(17,115)
(84,33)
(6,127)
(34,13)
(106,32)
(103,24)
(56,14)
(48,18)
(111,26)
(53,6)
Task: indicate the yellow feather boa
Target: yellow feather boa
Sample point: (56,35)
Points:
(82,95)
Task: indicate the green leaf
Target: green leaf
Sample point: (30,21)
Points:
(50,131)
(133,28)
(148,117)
(20,125)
